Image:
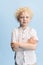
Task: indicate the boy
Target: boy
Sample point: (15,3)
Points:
(24,39)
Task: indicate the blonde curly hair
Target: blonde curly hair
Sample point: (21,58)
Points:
(23,9)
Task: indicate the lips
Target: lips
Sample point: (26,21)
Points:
(24,22)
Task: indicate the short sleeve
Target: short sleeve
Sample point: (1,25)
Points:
(34,34)
(13,37)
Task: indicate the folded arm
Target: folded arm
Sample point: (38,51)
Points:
(31,44)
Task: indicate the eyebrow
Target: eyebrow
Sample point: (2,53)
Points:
(24,16)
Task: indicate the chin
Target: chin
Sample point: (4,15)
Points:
(24,25)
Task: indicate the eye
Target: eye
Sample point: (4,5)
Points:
(21,17)
(27,16)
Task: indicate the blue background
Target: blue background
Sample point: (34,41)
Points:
(8,22)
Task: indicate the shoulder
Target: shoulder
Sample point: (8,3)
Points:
(15,30)
(32,30)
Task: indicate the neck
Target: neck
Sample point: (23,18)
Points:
(23,26)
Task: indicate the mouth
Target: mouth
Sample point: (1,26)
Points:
(24,22)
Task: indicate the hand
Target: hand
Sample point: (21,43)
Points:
(31,41)
(14,46)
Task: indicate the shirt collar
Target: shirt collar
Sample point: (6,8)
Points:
(26,29)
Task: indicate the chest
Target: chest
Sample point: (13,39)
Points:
(23,35)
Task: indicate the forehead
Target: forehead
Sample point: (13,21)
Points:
(24,13)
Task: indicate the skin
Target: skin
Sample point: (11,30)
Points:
(31,43)
(24,19)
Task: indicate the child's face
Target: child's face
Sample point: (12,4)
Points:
(24,18)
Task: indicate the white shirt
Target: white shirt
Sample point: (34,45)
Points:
(24,57)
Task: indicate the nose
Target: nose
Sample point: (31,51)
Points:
(24,18)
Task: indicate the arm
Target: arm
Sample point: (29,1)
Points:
(14,46)
(32,40)
(30,44)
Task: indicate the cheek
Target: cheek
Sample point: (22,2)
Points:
(28,19)
(20,20)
